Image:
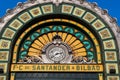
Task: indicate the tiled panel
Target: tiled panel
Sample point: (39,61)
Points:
(4,55)
(67,9)
(8,33)
(2,77)
(35,12)
(25,17)
(110,56)
(47,9)
(89,17)
(109,44)
(105,33)
(98,24)
(16,24)
(4,44)
(4,67)
(111,66)
(78,12)
(113,78)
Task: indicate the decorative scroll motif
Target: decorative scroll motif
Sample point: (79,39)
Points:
(82,60)
(31,59)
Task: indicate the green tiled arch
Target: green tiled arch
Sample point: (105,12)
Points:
(12,28)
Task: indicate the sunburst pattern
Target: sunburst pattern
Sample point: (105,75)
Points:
(77,47)
(76,40)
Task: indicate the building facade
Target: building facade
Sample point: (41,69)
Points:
(59,40)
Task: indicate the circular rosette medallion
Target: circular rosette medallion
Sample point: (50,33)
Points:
(56,54)
(57,51)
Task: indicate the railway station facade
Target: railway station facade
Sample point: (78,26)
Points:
(59,40)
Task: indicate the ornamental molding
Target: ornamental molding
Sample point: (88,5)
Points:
(103,13)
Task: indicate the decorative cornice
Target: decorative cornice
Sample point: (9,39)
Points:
(57,2)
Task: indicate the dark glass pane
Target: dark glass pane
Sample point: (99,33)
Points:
(57,76)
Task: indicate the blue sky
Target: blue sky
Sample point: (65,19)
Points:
(111,5)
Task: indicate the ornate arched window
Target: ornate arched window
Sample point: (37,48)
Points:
(59,40)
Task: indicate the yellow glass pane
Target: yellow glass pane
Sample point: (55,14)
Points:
(38,42)
(77,46)
(54,33)
(60,34)
(79,50)
(34,50)
(46,38)
(42,40)
(68,38)
(80,54)
(37,46)
(34,53)
(50,36)
(75,43)
(72,40)
(64,35)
